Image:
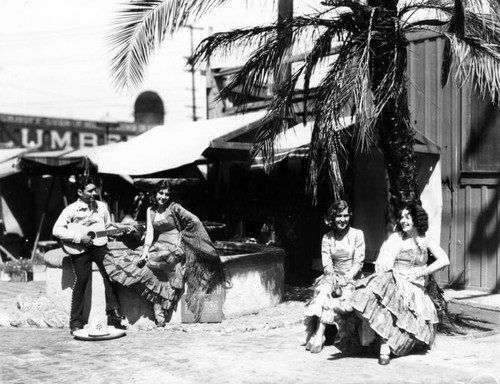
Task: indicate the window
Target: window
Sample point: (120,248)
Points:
(482,144)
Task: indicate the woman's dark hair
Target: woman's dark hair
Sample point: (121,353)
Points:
(335,209)
(419,217)
(82,181)
(165,184)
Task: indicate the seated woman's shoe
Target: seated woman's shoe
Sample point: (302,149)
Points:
(384,359)
(317,345)
(308,345)
(385,352)
(159,315)
(141,263)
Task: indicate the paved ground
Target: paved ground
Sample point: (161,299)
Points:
(264,348)
(269,356)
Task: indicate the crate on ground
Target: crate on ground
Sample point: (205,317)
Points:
(212,309)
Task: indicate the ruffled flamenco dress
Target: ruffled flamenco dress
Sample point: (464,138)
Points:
(181,256)
(391,306)
(329,297)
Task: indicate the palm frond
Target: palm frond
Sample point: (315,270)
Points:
(231,42)
(477,63)
(459,19)
(336,91)
(447,63)
(320,51)
(255,73)
(140,28)
(326,144)
(486,29)
(279,118)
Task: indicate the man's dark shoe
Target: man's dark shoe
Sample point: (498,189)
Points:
(115,314)
(74,329)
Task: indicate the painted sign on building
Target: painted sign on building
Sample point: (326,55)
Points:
(47,134)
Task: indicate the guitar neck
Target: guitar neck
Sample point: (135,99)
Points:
(110,232)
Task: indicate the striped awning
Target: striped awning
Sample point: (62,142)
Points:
(159,149)
(295,143)
(164,147)
(9,159)
(54,162)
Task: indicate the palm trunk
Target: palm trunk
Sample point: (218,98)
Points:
(394,127)
(397,137)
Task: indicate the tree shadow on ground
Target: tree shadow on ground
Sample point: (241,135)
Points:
(461,325)
(454,324)
(302,294)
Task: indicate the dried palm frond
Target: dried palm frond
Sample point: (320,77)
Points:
(366,77)
(477,63)
(279,118)
(139,29)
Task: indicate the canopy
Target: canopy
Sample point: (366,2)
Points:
(295,142)
(163,147)
(9,159)
(54,162)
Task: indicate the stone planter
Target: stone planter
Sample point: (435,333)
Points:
(255,275)
(39,272)
(15,276)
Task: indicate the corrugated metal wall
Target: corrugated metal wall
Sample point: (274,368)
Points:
(471,209)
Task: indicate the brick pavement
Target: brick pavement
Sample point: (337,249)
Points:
(269,356)
(262,348)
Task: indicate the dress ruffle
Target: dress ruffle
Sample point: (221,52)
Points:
(181,258)
(396,309)
(123,270)
(323,305)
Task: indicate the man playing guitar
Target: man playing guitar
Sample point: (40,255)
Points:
(86,211)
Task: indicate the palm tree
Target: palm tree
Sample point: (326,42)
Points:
(366,78)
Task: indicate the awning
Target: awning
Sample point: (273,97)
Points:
(54,162)
(9,160)
(294,143)
(163,147)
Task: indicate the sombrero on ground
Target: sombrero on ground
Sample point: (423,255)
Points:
(98,330)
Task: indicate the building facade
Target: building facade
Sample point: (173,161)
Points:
(50,134)
(458,137)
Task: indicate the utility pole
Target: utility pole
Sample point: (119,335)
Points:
(107,123)
(193,80)
(285,12)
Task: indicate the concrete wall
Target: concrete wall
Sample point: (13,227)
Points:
(255,279)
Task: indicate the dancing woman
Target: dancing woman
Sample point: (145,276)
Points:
(177,249)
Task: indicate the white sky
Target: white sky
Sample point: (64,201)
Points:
(53,60)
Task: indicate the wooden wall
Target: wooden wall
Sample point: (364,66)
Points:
(467,130)
(451,117)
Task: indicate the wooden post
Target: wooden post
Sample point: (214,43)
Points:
(37,238)
(284,72)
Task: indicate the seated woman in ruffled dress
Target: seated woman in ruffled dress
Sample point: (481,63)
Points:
(392,308)
(177,252)
(342,255)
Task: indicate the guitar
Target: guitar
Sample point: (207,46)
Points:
(97,232)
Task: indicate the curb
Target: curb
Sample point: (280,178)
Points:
(485,307)
(223,330)
(478,335)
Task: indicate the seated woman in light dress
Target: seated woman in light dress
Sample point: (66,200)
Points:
(177,253)
(391,308)
(342,255)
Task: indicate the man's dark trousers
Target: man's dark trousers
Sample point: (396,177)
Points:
(82,267)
